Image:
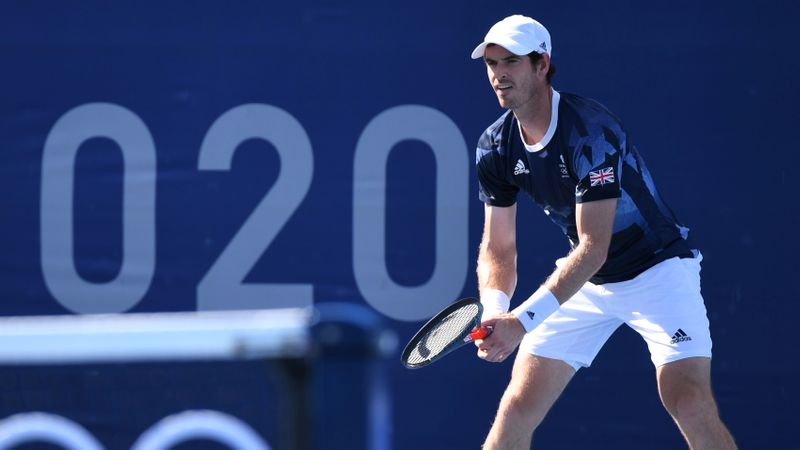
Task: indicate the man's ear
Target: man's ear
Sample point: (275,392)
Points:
(544,64)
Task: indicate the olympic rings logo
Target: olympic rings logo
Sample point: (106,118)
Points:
(164,434)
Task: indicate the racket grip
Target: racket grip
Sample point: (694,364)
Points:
(481,332)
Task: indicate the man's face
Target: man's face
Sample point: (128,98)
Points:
(513,78)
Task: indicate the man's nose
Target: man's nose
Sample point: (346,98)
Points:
(502,71)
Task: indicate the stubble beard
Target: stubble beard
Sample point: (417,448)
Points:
(516,103)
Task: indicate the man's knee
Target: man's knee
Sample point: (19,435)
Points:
(523,407)
(689,402)
(535,385)
(685,389)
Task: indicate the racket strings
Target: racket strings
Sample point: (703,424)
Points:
(450,329)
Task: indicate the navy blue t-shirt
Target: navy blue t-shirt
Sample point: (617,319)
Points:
(584,156)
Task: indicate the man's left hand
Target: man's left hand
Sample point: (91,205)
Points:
(506,336)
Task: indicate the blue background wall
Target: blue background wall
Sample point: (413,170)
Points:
(707,89)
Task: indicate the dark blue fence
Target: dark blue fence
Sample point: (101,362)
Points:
(213,155)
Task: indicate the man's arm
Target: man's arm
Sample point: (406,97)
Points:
(595,222)
(497,258)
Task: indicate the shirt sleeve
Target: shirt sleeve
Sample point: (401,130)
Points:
(598,170)
(494,188)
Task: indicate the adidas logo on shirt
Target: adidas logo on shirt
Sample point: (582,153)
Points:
(520,168)
(679,336)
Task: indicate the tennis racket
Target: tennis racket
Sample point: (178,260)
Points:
(453,327)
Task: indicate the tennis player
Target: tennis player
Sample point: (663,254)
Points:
(630,260)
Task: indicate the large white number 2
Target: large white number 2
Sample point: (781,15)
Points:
(222,287)
(369,212)
(138,208)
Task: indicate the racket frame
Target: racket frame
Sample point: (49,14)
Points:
(473,333)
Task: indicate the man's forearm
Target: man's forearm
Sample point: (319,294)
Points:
(565,281)
(497,270)
(580,265)
(497,279)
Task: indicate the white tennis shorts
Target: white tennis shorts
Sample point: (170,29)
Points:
(663,304)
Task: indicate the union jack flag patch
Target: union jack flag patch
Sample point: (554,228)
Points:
(602,176)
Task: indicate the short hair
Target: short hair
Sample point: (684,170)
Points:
(535,57)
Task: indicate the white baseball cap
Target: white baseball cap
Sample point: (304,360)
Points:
(518,34)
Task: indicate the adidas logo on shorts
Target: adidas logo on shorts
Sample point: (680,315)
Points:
(679,336)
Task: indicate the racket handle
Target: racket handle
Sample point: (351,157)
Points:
(480,332)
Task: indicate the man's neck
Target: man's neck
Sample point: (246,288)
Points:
(535,119)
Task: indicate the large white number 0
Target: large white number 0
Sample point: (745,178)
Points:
(223,287)
(138,208)
(369,211)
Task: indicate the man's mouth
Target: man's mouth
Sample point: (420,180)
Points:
(503,87)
